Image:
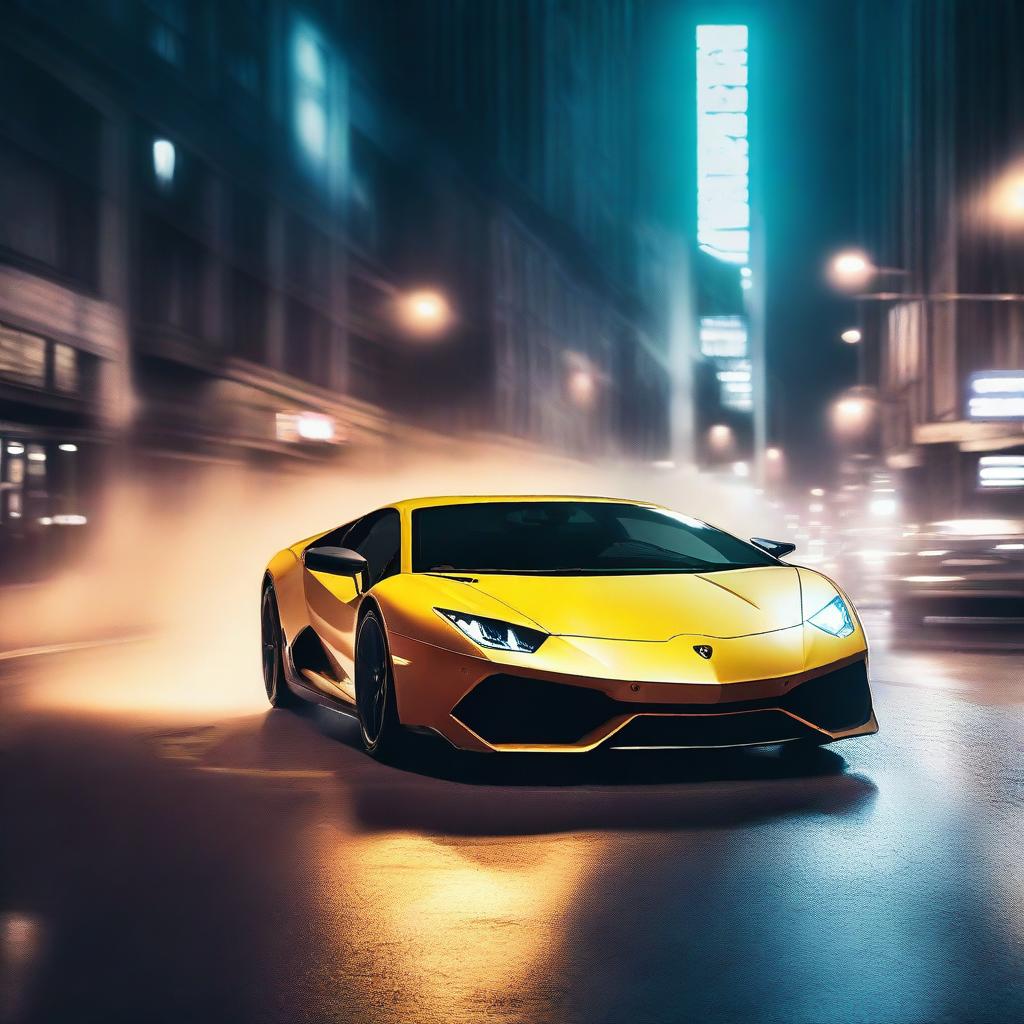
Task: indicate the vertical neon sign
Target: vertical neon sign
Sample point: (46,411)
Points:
(723,160)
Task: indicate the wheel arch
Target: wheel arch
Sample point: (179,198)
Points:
(283,573)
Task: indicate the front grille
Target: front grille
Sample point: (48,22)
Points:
(513,709)
(837,701)
(749,727)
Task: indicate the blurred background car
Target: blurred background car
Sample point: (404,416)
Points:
(961,572)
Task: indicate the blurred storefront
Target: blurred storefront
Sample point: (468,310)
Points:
(212,214)
(942,212)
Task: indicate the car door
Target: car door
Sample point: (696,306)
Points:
(333,601)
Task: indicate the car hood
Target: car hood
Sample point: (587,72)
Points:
(656,606)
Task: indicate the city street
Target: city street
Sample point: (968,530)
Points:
(489,366)
(174,850)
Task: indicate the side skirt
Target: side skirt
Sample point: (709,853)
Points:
(302,689)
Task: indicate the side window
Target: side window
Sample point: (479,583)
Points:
(378,538)
(336,537)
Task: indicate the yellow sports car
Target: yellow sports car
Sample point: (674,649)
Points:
(561,624)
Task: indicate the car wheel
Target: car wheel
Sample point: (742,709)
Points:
(272,652)
(381,731)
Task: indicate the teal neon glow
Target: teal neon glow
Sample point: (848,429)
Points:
(723,159)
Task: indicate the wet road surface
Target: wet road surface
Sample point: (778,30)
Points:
(172,850)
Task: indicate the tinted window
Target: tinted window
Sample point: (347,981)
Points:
(378,538)
(571,536)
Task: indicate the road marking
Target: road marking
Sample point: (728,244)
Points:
(270,773)
(78,645)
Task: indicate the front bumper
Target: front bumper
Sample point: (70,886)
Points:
(477,704)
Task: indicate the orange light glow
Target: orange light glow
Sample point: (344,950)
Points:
(850,269)
(424,312)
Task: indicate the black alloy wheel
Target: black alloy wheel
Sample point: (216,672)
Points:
(379,727)
(272,651)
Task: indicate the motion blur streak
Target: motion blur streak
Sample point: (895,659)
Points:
(179,563)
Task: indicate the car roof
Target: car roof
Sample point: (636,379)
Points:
(410,504)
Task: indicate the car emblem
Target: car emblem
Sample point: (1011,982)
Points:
(703,650)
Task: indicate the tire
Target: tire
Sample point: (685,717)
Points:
(379,727)
(272,652)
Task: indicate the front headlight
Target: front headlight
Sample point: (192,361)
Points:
(493,633)
(834,618)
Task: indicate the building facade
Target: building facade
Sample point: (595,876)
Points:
(210,211)
(942,209)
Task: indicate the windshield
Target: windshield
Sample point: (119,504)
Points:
(571,537)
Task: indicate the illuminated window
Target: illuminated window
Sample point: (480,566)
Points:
(996,395)
(22,357)
(164,157)
(723,336)
(167,23)
(310,67)
(723,162)
(1001,471)
(65,368)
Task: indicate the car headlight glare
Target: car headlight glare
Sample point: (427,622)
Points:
(834,618)
(493,633)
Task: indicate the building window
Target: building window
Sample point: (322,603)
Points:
(29,360)
(310,70)
(166,28)
(306,343)
(171,276)
(65,369)
(249,228)
(22,358)
(243,27)
(49,166)
(307,256)
(248,317)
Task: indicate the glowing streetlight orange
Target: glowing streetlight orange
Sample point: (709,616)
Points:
(1006,200)
(851,269)
(582,387)
(852,414)
(720,438)
(424,312)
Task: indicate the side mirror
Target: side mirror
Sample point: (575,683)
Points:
(337,561)
(776,548)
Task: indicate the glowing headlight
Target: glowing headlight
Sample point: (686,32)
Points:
(834,618)
(494,633)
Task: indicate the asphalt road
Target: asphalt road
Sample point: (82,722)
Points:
(172,850)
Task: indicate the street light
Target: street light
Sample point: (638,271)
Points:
(852,415)
(582,387)
(851,269)
(720,438)
(1003,203)
(424,312)
(851,336)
